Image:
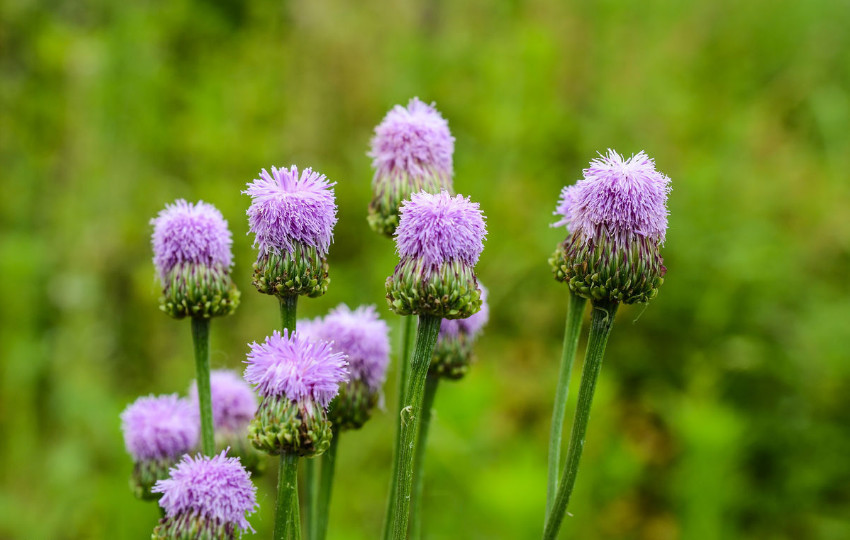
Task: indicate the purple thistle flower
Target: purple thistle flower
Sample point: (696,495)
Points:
(440,228)
(217,488)
(363,337)
(233,401)
(626,197)
(288,209)
(296,367)
(192,233)
(412,142)
(470,326)
(159,427)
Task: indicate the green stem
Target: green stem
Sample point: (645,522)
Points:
(571,333)
(312,472)
(403,370)
(286,516)
(201,340)
(601,321)
(426,339)
(419,460)
(326,486)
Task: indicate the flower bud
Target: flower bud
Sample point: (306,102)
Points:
(454,351)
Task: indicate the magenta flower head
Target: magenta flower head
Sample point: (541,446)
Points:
(157,431)
(454,351)
(439,240)
(292,217)
(206,497)
(191,247)
(296,377)
(364,338)
(411,152)
(616,217)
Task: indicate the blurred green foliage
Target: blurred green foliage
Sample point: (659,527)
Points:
(723,409)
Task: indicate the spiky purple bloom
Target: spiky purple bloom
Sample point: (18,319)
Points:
(470,326)
(412,141)
(616,217)
(217,488)
(363,337)
(191,233)
(289,209)
(159,427)
(440,228)
(625,197)
(233,401)
(296,367)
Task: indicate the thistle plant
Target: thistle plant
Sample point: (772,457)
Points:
(292,217)
(296,378)
(411,151)
(438,240)
(206,498)
(157,431)
(233,406)
(616,217)
(453,355)
(192,256)
(364,338)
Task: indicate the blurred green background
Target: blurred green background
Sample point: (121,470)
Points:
(723,409)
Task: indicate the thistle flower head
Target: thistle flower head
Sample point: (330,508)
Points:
(627,197)
(190,233)
(288,209)
(438,228)
(363,337)
(470,326)
(159,427)
(215,488)
(296,367)
(413,141)
(233,401)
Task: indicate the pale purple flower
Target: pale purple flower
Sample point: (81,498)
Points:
(288,209)
(363,337)
(439,228)
(625,197)
(191,233)
(414,141)
(296,367)
(233,401)
(469,326)
(159,427)
(217,488)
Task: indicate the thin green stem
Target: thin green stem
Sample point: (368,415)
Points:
(575,311)
(419,460)
(312,472)
(410,418)
(403,371)
(601,321)
(326,486)
(286,516)
(201,340)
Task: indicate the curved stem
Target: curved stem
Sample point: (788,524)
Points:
(201,341)
(326,486)
(601,321)
(403,371)
(571,334)
(419,460)
(286,516)
(426,339)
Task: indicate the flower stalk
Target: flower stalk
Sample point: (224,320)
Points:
(328,467)
(419,460)
(201,341)
(287,516)
(601,322)
(571,335)
(410,419)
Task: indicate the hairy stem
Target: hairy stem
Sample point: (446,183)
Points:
(287,520)
(571,334)
(201,340)
(419,460)
(601,321)
(426,339)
